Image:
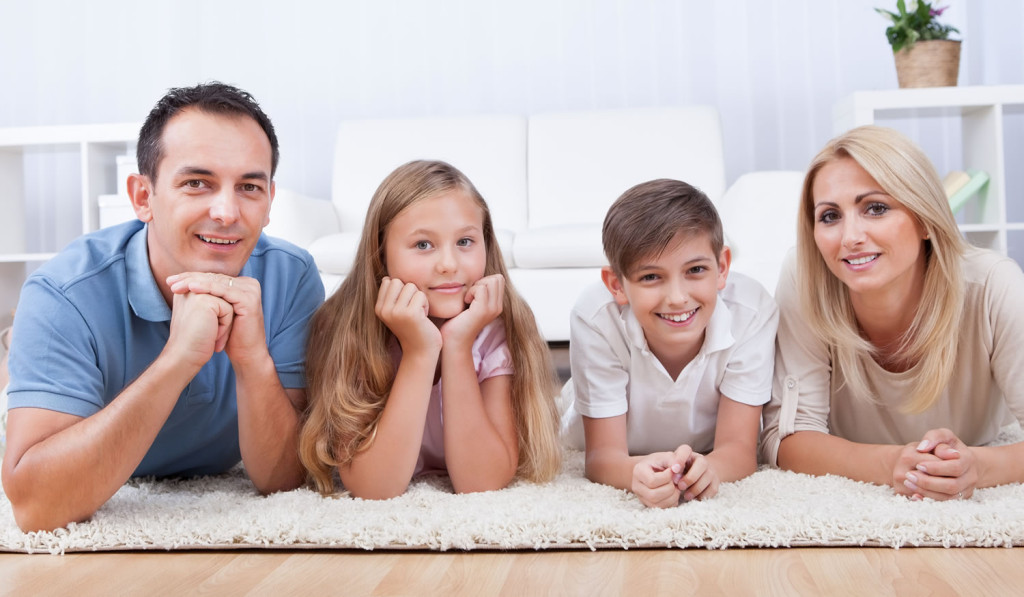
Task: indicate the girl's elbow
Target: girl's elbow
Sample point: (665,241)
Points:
(371,491)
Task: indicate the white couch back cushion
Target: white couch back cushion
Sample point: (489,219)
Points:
(580,162)
(490,150)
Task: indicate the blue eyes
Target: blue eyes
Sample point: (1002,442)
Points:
(425,245)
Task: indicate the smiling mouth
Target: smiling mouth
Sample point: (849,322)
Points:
(678,317)
(448,287)
(217,241)
(861,260)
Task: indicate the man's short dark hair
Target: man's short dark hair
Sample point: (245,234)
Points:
(212,98)
(644,220)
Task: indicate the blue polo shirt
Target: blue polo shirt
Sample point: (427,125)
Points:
(92,319)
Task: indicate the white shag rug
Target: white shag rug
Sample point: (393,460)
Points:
(771,508)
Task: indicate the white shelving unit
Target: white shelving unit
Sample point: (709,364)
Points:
(983,114)
(97,147)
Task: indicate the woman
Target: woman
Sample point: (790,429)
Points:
(900,347)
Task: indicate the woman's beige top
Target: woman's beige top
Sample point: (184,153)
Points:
(985,390)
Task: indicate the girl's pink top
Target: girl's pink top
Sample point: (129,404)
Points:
(491,357)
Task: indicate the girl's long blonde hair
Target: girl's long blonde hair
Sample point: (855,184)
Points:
(903,171)
(349,369)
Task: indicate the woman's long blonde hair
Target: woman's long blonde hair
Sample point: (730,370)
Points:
(903,171)
(349,368)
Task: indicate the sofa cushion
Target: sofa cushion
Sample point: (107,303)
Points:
(490,150)
(572,245)
(335,253)
(580,162)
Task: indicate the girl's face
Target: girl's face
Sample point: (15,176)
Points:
(870,241)
(438,245)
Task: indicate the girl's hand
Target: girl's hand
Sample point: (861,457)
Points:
(699,480)
(653,480)
(485,300)
(946,470)
(403,309)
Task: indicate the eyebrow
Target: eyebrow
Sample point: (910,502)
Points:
(861,197)
(196,171)
(651,266)
(473,228)
(856,200)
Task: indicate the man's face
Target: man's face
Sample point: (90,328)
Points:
(212,195)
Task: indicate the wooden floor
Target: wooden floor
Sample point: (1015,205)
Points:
(797,571)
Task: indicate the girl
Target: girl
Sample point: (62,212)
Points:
(899,346)
(426,359)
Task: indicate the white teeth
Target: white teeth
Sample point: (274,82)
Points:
(678,318)
(217,241)
(862,260)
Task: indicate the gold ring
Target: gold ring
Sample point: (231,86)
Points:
(230,282)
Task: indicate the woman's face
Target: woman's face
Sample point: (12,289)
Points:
(870,241)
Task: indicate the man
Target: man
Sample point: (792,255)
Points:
(173,345)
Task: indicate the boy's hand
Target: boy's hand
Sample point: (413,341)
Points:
(485,299)
(403,309)
(653,480)
(698,479)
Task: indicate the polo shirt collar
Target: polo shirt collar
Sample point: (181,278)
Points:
(143,293)
(717,336)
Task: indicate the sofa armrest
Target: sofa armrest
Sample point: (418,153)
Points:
(759,215)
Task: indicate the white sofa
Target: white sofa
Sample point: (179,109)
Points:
(548,180)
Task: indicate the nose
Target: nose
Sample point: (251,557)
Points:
(853,232)
(224,208)
(446,260)
(677,293)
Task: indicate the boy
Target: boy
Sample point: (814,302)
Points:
(671,362)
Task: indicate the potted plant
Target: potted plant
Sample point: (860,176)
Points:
(924,54)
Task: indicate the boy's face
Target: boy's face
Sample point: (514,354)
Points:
(673,296)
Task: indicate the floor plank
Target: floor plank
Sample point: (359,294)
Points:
(797,571)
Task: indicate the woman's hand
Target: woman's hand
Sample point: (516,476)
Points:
(940,467)
(403,308)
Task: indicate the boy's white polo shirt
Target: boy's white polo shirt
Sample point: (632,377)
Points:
(614,372)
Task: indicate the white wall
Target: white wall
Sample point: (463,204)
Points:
(774,68)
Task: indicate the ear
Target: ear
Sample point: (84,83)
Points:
(140,192)
(724,262)
(273,190)
(614,285)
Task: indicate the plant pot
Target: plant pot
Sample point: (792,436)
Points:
(932,63)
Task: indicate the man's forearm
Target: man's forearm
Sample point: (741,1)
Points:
(61,469)
(268,426)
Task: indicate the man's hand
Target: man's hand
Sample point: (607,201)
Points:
(244,340)
(200,325)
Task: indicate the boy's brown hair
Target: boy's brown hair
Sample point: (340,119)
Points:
(645,219)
